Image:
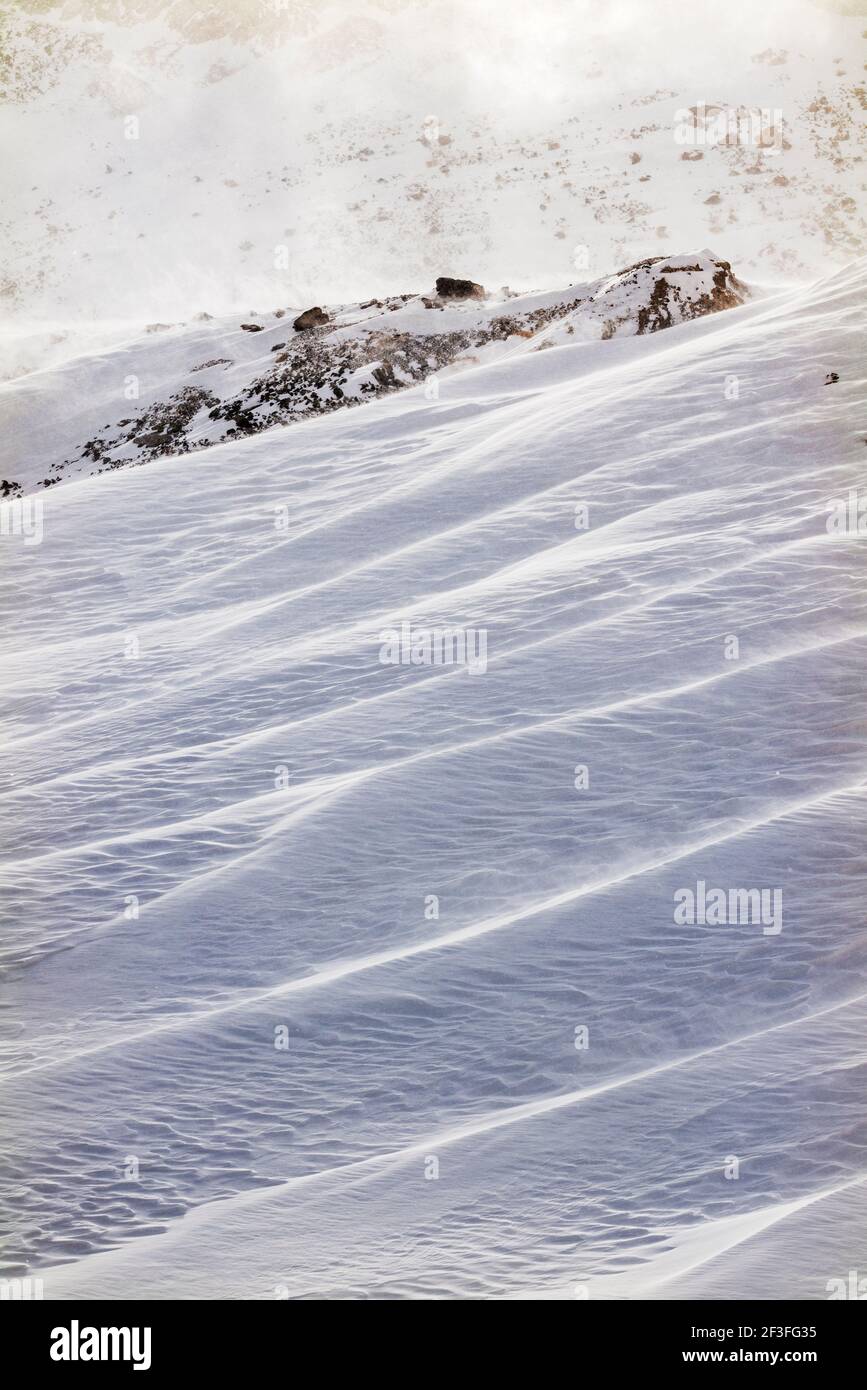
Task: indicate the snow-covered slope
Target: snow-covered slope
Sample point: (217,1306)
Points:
(305,940)
(178,157)
(189,386)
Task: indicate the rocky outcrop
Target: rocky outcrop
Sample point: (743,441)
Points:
(311,318)
(661,292)
(365,350)
(667,298)
(459,289)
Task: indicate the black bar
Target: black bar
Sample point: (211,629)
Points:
(652,1338)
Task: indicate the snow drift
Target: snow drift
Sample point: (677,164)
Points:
(335,977)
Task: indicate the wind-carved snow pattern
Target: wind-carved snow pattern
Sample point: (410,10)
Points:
(337,975)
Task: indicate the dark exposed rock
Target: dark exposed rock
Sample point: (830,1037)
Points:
(727,293)
(459,289)
(656,313)
(384,375)
(160,430)
(831,378)
(311,318)
(252,327)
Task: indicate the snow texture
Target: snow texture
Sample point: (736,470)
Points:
(301,938)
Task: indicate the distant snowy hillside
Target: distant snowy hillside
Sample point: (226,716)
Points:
(175,157)
(194,385)
(341,973)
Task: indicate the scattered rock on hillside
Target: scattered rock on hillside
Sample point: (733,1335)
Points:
(365,350)
(311,318)
(459,289)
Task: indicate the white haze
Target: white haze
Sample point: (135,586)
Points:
(256,137)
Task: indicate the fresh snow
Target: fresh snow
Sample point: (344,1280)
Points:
(242,1038)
